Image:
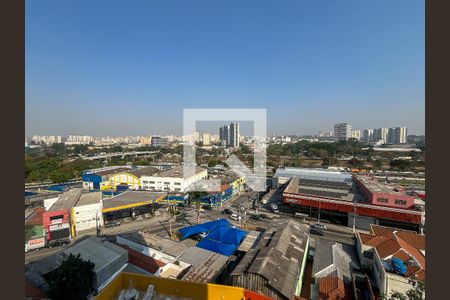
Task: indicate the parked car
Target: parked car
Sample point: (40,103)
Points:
(235,217)
(207,207)
(256,217)
(114,223)
(264,216)
(319,226)
(314,230)
(227,211)
(274,207)
(181,204)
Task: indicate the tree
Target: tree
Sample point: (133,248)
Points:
(377,164)
(73,279)
(28,231)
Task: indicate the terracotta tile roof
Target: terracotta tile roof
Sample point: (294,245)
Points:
(143,261)
(333,288)
(412,238)
(388,248)
(402,244)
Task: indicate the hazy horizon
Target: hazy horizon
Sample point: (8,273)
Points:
(131,68)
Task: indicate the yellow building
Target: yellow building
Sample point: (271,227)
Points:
(175,289)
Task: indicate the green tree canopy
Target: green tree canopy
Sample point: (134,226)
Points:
(72,280)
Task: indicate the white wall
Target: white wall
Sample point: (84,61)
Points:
(171,184)
(165,258)
(49,202)
(84,216)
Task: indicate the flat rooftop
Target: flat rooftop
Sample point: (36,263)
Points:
(89,198)
(131,198)
(375,186)
(177,172)
(144,171)
(67,199)
(162,244)
(112,171)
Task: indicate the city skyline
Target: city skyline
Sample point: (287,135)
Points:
(310,64)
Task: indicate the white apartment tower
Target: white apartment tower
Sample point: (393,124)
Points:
(342,131)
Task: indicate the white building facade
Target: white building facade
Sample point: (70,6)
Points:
(172,180)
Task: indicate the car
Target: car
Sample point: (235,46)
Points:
(314,230)
(207,207)
(319,226)
(114,223)
(256,217)
(227,211)
(181,204)
(234,217)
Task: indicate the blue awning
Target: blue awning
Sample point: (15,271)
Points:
(214,246)
(227,235)
(203,228)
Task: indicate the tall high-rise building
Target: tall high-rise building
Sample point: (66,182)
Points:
(229,135)
(380,135)
(234,135)
(356,134)
(367,136)
(206,139)
(397,135)
(342,131)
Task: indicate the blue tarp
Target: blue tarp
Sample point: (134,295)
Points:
(227,235)
(202,228)
(214,246)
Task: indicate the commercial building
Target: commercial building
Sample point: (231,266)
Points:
(205,265)
(87,213)
(110,178)
(377,193)
(130,204)
(397,135)
(395,256)
(275,266)
(172,180)
(352,202)
(56,220)
(342,131)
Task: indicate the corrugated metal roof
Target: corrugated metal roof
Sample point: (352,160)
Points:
(278,256)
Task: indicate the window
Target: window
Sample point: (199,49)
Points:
(165,182)
(383,200)
(401,202)
(177,183)
(151,182)
(177,189)
(144,181)
(368,254)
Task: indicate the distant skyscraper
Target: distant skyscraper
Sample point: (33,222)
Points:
(229,135)
(234,135)
(397,135)
(206,139)
(342,131)
(380,135)
(356,134)
(367,136)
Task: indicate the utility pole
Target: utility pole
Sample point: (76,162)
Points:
(319,214)
(354,216)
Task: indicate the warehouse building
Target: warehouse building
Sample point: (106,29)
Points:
(130,204)
(87,213)
(275,266)
(110,178)
(172,180)
(353,200)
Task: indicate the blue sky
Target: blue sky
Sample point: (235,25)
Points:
(130,67)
